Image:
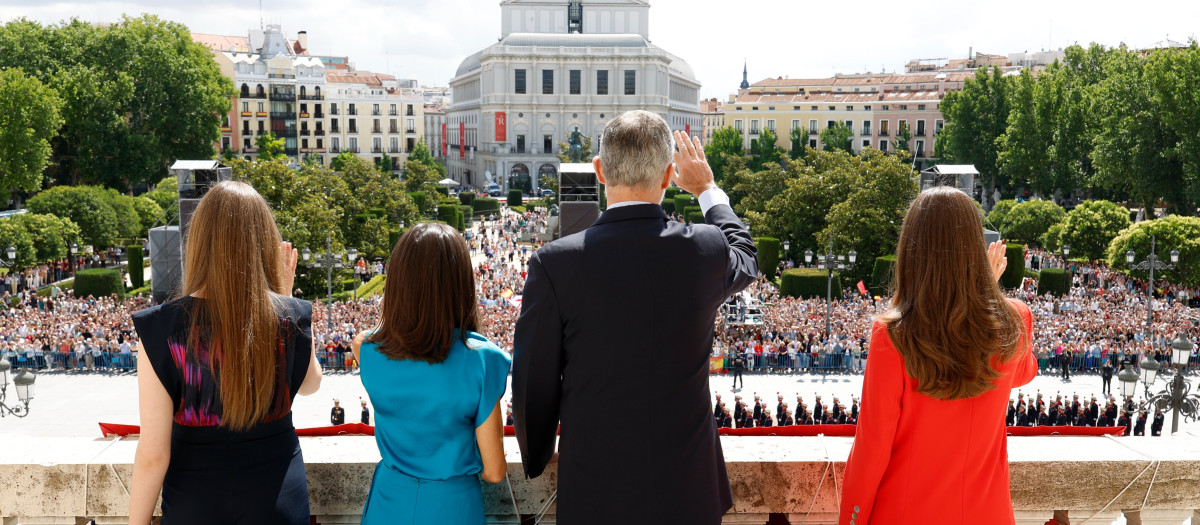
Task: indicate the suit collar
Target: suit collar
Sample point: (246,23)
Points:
(637,211)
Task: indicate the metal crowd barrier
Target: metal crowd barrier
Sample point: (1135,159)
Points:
(104,362)
(801,362)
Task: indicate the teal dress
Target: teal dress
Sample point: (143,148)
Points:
(425,421)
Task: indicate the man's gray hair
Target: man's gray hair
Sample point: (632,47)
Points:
(636,149)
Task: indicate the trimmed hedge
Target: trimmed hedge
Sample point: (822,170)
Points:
(1054,281)
(420,199)
(668,206)
(443,190)
(1032,274)
(485,205)
(137,269)
(881,275)
(695,217)
(393,238)
(451,215)
(467,198)
(683,201)
(144,290)
(768,255)
(672,192)
(99,282)
(1015,272)
(807,283)
(514,197)
(468,213)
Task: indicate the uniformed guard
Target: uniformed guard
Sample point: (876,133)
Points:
(1124,422)
(1157,426)
(1139,428)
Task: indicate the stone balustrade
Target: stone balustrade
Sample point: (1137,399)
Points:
(1152,480)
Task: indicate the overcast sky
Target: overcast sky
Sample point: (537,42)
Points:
(426,39)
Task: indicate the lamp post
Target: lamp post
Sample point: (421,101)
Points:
(74,252)
(352,256)
(787,247)
(831,262)
(329,261)
(1177,396)
(1151,263)
(24,385)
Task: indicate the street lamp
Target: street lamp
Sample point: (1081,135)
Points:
(1151,263)
(329,261)
(831,262)
(787,247)
(352,256)
(24,384)
(1176,397)
(435,212)
(1066,250)
(74,252)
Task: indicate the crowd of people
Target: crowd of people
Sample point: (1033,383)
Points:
(61,331)
(760,415)
(45,274)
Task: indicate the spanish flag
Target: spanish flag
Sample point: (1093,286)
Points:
(508,293)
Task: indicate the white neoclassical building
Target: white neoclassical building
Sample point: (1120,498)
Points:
(558,66)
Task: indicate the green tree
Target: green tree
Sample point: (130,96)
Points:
(270,147)
(726,143)
(51,235)
(166,195)
(29,119)
(14,234)
(1174,78)
(422,155)
(547,182)
(799,139)
(763,150)
(1171,233)
(341,160)
(313,158)
(90,207)
(1088,229)
(976,116)
(385,164)
(813,186)
(1028,221)
(903,138)
(837,137)
(137,95)
(869,220)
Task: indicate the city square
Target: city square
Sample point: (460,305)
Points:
(1078,154)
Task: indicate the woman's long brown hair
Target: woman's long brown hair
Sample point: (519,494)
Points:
(233,263)
(430,292)
(948,318)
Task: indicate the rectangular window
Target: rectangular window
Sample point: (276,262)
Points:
(261,126)
(812,108)
(830,123)
(754,127)
(395,145)
(602,82)
(795,124)
(812,126)
(920,107)
(630,82)
(519,81)
(353,144)
(547,81)
(850,125)
(304,143)
(260,107)
(320,143)
(374,109)
(576,82)
(352,110)
(771,125)
(885,107)
(737,124)
(866,144)
(246,143)
(547,144)
(883,146)
(866,108)
(376,145)
(410,143)
(937,126)
(883,128)
(520,143)
(903,107)
(812,143)
(866,129)
(333,126)
(411,126)
(408,110)
(920,128)
(304,108)
(246,107)
(333,144)
(353,126)
(392,109)
(333,109)
(832,108)
(920,149)
(849,108)
(901,126)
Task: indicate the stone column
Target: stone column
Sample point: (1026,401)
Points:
(1159,516)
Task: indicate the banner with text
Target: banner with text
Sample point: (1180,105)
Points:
(501,127)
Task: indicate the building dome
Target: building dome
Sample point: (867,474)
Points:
(469,64)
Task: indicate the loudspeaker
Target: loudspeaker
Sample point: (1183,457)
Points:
(575,217)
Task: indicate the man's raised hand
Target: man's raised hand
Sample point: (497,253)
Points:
(692,172)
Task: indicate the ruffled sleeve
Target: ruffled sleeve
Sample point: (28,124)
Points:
(496,364)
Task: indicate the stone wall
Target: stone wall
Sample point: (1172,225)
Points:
(70,481)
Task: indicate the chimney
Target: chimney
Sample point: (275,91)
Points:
(302,38)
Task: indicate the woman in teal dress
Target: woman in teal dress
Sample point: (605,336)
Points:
(436,386)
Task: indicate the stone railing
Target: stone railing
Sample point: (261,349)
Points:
(69,481)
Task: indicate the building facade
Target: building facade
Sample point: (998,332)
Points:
(713,112)
(559,66)
(312,102)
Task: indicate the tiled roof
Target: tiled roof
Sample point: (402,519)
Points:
(240,44)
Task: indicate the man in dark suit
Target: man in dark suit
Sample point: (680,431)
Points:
(337,415)
(593,304)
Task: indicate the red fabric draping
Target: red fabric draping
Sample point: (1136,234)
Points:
(113,429)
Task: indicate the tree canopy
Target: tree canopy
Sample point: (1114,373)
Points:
(837,137)
(726,142)
(29,119)
(136,95)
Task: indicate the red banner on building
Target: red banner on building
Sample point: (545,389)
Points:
(687,128)
(444,143)
(501,127)
(462,140)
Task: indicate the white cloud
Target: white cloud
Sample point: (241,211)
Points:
(426,39)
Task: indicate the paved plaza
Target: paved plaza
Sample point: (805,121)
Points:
(71,404)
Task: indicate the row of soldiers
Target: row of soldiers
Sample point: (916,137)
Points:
(1037,412)
(742,416)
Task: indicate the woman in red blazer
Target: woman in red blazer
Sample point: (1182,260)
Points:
(930,446)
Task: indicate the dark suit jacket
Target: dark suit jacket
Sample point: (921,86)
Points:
(621,315)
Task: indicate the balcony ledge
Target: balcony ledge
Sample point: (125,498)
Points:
(59,480)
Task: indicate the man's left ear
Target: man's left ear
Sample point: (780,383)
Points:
(670,174)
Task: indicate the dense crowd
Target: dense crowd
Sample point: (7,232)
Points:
(760,416)
(45,274)
(60,331)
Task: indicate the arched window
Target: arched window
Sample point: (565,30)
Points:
(303,92)
(245,91)
(260,92)
(317,92)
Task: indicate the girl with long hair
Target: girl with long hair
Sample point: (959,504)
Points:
(436,385)
(219,368)
(930,446)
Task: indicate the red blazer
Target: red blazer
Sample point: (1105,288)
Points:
(917,459)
